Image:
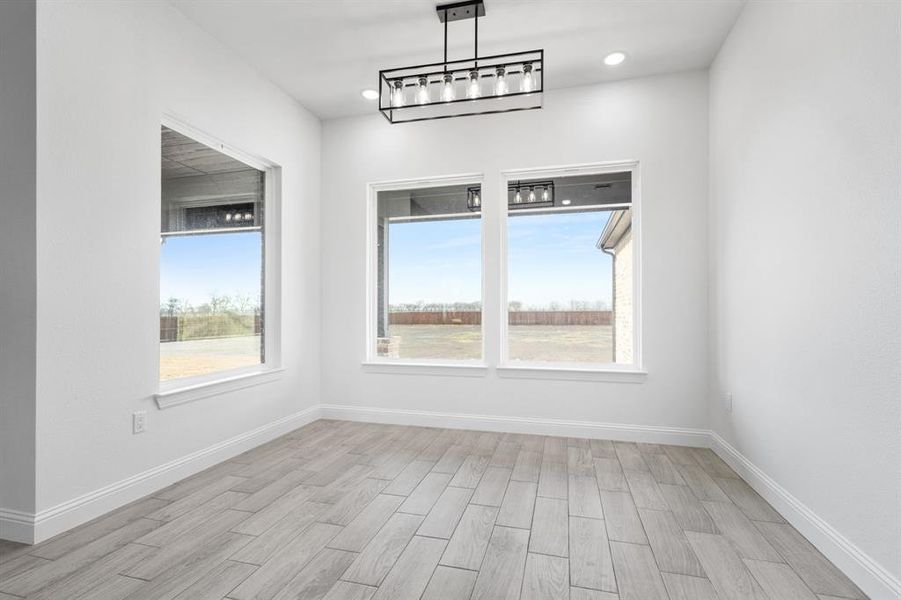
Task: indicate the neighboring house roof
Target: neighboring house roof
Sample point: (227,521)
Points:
(618,225)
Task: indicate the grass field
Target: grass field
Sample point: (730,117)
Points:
(570,343)
(198,357)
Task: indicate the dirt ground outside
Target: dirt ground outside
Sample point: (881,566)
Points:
(544,343)
(541,343)
(199,357)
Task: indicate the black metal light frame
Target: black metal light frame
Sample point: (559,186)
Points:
(474,198)
(518,186)
(487,67)
(474,195)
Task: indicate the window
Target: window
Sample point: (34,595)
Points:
(570,264)
(426,261)
(212,261)
(568,252)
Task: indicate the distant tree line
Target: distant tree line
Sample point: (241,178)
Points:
(572,305)
(435,307)
(218,304)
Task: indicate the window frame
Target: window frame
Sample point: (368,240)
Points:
(374,363)
(620,372)
(186,389)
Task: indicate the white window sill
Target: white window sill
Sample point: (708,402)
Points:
(572,373)
(426,368)
(174,396)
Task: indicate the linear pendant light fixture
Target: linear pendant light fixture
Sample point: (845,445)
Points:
(458,88)
(520,194)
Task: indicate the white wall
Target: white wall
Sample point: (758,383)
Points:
(17,255)
(106,72)
(805,289)
(804,230)
(661,121)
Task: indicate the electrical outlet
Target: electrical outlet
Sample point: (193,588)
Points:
(727,402)
(138,422)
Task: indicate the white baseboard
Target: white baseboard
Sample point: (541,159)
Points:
(16,526)
(870,576)
(35,528)
(585,429)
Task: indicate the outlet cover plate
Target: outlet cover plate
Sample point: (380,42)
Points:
(139,422)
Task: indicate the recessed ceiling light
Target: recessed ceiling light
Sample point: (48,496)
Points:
(614,58)
(370,94)
(566,202)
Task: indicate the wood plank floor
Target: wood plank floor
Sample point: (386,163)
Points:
(354,511)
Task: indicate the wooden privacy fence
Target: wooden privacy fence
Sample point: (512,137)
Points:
(561,317)
(519,317)
(455,317)
(168,329)
(204,327)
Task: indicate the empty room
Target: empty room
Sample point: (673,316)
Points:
(416,300)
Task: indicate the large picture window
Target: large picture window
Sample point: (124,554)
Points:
(211,261)
(427,264)
(570,280)
(566,247)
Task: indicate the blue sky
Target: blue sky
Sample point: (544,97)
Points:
(552,258)
(194,267)
(435,261)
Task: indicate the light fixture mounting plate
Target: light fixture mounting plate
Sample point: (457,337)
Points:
(458,11)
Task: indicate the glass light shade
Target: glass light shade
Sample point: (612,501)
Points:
(422,94)
(528,79)
(448,94)
(500,83)
(397,95)
(474,90)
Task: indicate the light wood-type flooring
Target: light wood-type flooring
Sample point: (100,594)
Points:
(355,511)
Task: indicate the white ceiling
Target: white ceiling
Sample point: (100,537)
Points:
(324,52)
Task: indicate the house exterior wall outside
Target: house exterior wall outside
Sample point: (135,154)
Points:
(622,302)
